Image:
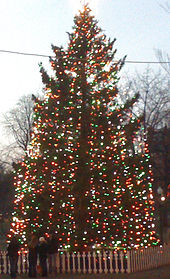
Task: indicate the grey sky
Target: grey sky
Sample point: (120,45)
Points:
(32,25)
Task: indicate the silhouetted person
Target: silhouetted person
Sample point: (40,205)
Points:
(32,256)
(12,250)
(42,252)
(52,253)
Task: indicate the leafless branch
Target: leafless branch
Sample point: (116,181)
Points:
(166,7)
(163,56)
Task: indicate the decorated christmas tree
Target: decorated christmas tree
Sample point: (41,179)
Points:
(86,173)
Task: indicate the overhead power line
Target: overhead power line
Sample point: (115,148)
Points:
(24,53)
(50,56)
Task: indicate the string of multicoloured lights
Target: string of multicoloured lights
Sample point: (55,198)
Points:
(86,173)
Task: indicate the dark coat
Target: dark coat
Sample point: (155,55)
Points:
(13,248)
(32,256)
(52,245)
(42,250)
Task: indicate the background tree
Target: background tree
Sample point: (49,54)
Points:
(17,125)
(166,6)
(164,59)
(161,55)
(6,191)
(154,91)
(85,173)
(154,103)
(6,203)
(160,154)
(18,122)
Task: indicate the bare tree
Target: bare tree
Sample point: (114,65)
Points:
(9,153)
(18,122)
(164,60)
(162,56)
(154,100)
(166,6)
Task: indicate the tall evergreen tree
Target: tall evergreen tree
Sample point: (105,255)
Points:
(85,174)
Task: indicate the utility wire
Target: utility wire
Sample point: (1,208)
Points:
(49,56)
(24,53)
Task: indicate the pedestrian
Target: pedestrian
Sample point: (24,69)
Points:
(42,252)
(12,252)
(52,253)
(32,256)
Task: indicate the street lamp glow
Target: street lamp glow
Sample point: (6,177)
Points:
(162,198)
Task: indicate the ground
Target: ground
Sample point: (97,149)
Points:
(159,273)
